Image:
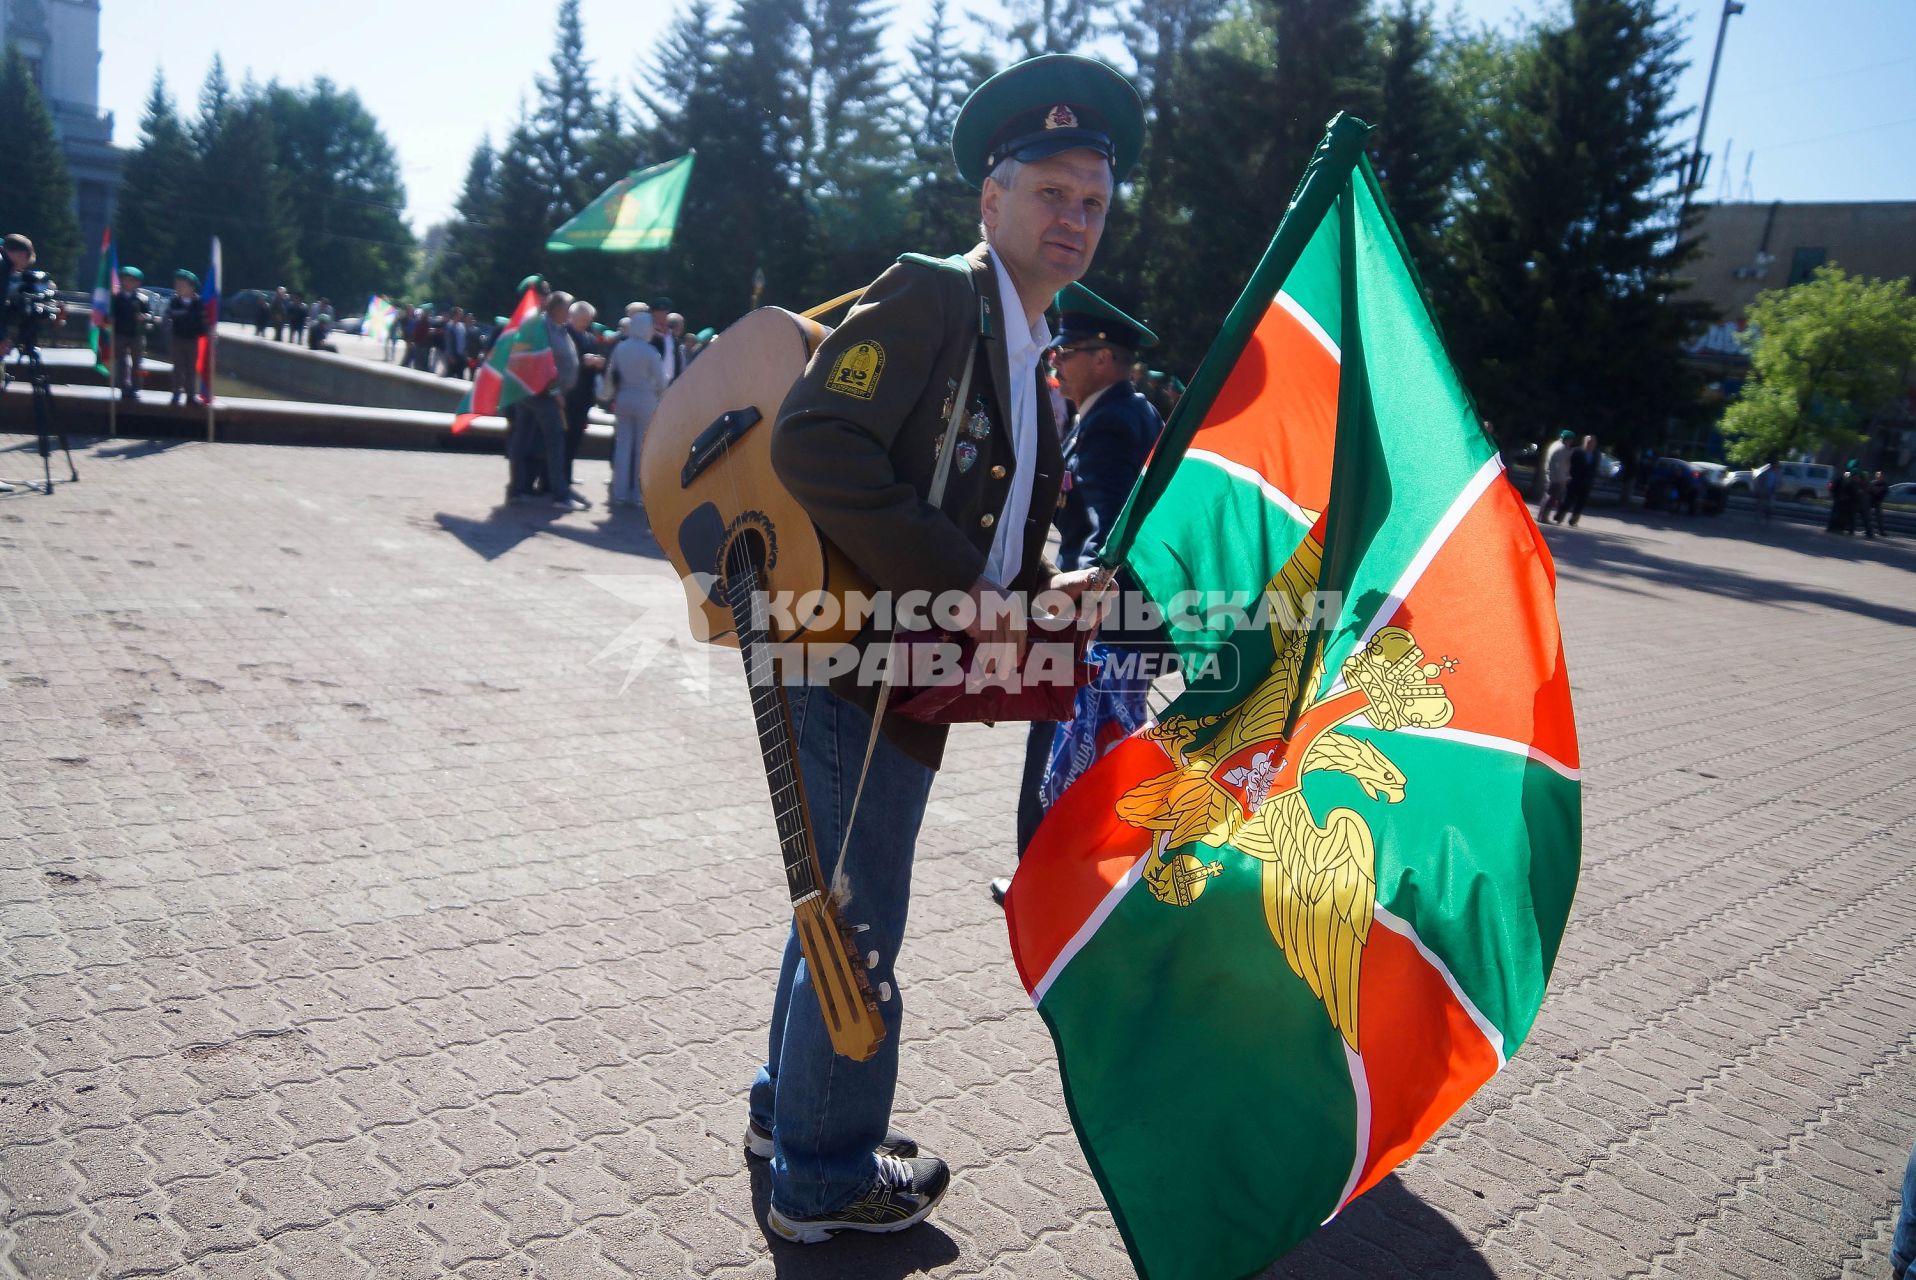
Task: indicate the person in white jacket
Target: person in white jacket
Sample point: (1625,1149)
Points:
(1556,475)
(638,381)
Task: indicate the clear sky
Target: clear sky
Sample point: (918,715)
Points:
(1816,97)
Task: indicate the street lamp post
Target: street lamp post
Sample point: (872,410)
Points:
(1695,169)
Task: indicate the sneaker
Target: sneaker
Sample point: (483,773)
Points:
(568,504)
(758,1143)
(904,1196)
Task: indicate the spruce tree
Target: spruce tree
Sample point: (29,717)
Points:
(942,209)
(1047,26)
(36,190)
(682,67)
(1153,259)
(515,245)
(462,268)
(156,183)
(744,211)
(243,200)
(344,193)
(565,118)
(1419,144)
(1569,252)
(852,163)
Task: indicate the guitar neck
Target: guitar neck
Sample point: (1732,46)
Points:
(803,874)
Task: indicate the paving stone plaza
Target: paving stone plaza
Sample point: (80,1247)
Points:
(359,915)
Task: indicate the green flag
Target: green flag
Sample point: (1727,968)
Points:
(637,213)
(1283,932)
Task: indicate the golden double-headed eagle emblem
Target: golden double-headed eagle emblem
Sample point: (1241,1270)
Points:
(1243,789)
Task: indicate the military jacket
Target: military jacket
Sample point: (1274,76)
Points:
(1108,452)
(858,437)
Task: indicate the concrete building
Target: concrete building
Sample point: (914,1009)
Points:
(61,42)
(1748,248)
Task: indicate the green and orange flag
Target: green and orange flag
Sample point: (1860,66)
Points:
(1282,933)
(520,365)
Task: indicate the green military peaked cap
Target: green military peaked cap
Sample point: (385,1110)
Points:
(1085,317)
(1045,105)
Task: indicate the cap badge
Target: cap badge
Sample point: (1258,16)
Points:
(1061,117)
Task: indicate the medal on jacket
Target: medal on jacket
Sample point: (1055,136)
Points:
(967,455)
(978,426)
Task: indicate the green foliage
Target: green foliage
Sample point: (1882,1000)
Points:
(1420,145)
(240,194)
(158,175)
(300,184)
(36,191)
(345,198)
(1565,259)
(1825,356)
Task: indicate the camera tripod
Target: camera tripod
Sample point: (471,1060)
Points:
(36,377)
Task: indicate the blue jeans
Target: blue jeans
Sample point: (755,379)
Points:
(1902,1247)
(827,1114)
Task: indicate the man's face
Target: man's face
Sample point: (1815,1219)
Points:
(1590,444)
(183,287)
(1083,367)
(1046,226)
(128,284)
(579,321)
(18,259)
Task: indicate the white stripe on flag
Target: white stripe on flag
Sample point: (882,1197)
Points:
(1296,311)
(1489,741)
(1092,922)
(1360,1089)
(1239,471)
(1397,924)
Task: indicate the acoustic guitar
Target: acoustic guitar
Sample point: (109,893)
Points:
(733,531)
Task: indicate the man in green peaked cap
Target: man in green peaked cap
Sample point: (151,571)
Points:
(921,441)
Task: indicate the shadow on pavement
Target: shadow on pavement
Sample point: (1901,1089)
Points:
(137,448)
(618,529)
(1593,555)
(1391,1220)
(852,1255)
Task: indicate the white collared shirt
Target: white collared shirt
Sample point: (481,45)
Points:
(1023,347)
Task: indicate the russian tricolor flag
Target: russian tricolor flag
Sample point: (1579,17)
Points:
(210,340)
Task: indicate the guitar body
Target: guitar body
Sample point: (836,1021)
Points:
(705,479)
(727,524)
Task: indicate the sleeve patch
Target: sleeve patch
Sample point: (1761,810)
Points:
(855,373)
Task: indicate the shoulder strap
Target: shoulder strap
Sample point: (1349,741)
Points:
(936,497)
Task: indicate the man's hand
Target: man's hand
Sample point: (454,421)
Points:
(593,362)
(1084,588)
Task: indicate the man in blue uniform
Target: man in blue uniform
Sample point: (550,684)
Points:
(1105,452)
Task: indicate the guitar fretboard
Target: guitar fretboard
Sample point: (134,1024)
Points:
(769,711)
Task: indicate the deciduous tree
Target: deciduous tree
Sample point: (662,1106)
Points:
(1825,356)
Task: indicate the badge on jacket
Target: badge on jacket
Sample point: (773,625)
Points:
(856,371)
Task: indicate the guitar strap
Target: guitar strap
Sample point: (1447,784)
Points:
(937,499)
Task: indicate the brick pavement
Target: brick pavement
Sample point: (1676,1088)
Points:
(353,921)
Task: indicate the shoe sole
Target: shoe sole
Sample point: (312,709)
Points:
(819,1232)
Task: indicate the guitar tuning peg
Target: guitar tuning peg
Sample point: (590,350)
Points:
(884,991)
(871,960)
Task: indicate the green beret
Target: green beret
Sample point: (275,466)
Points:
(1085,317)
(134,272)
(706,335)
(1045,105)
(531,282)
(183,274)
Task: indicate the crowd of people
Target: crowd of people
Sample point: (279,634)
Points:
(624,370)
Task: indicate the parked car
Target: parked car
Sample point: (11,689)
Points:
(248,306)
(1903,492)
(1673,485)
(1795,481)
